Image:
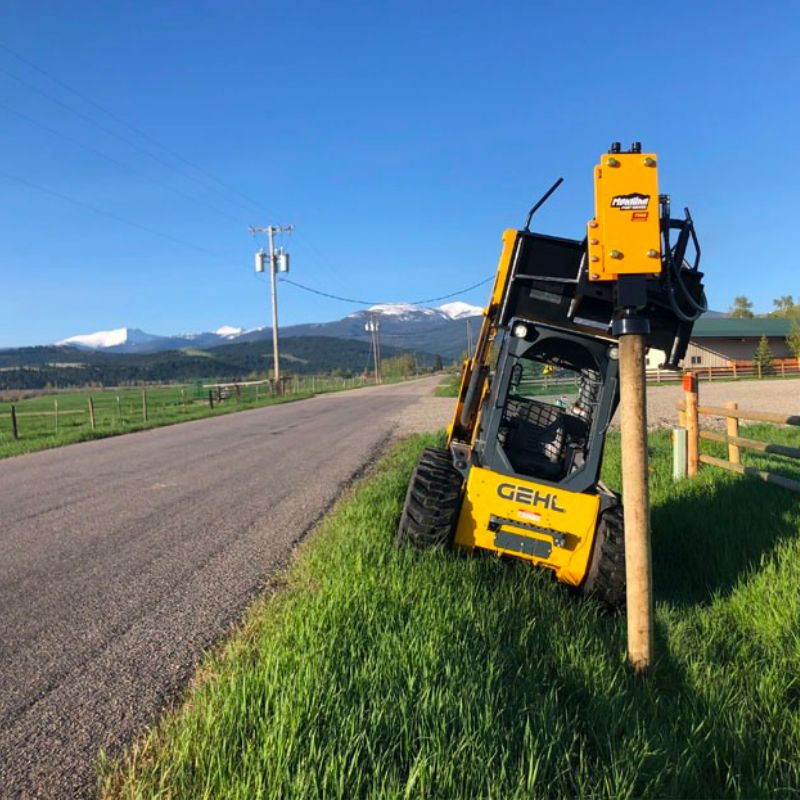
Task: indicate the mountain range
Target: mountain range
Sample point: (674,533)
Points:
(439,330)
(130,355)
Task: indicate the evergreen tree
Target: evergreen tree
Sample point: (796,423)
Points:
(763,356)
(793,339)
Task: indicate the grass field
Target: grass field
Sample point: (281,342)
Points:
(381,672)
(121,411)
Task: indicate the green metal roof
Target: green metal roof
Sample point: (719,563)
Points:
(741,328)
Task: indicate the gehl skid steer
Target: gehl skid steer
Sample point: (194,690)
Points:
(520,475)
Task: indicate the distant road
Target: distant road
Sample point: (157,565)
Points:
(122,559)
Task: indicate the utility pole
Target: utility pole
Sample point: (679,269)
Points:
(374,327)
(278,262)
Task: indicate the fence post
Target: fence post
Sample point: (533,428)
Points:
(144,405)
(734,371)
(635,492)
(732,429)
(183,399)
(211,398)
(119,411)
(759,370)
(91,412)
(14,431)
(678,453)
(783,368)
(55,412)
(690,389)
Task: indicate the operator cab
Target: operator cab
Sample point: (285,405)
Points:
(554,434)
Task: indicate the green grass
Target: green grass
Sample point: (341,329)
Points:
(165,406)
(381,672)
(449,386)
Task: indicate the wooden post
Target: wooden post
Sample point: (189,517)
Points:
(758,364)
(678,454)
(692,425)
(55,412)
(183,398)
(732,429)
(119,411)
(734,371)
(14,430)
(211,398)
(91,412)
(144,405)
(238,393)
(783,368)
(635,495)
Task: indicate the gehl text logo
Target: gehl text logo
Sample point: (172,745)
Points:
(530,497)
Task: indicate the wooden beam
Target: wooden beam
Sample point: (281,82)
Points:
(758,416)
(751,472)
(752,444)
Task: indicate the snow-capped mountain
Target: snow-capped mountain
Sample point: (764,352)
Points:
(435,330)
(408,311)
(459,310)
(101,340)
(134,340)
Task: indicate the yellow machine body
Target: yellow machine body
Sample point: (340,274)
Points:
(624,237)
(487,330)
(520,518)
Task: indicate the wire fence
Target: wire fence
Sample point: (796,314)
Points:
(69,415)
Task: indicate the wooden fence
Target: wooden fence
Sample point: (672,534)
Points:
(109,410)
(689,413)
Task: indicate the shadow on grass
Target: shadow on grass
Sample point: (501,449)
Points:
(713,531)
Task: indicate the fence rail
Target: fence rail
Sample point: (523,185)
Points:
(116,411)
(687,455)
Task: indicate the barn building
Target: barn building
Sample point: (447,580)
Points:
(726,341)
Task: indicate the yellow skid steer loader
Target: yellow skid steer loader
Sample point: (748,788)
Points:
(520,474)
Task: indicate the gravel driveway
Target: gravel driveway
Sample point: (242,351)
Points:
(780,396)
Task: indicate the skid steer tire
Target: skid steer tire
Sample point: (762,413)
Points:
(605,577)
(432,503)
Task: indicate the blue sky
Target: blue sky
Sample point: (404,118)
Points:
(399,138)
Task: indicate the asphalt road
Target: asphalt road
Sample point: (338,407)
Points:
(121,560)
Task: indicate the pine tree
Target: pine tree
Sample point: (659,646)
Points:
(763,357)
(793,339)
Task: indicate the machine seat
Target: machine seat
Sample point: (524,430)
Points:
(533,436)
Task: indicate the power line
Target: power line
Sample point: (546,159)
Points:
(109,214)
(329,295)
(375,303)
(453,294)
(112,160)
(135,129)
(109,131)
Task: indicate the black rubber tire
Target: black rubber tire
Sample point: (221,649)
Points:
(605,576)
(433,502)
